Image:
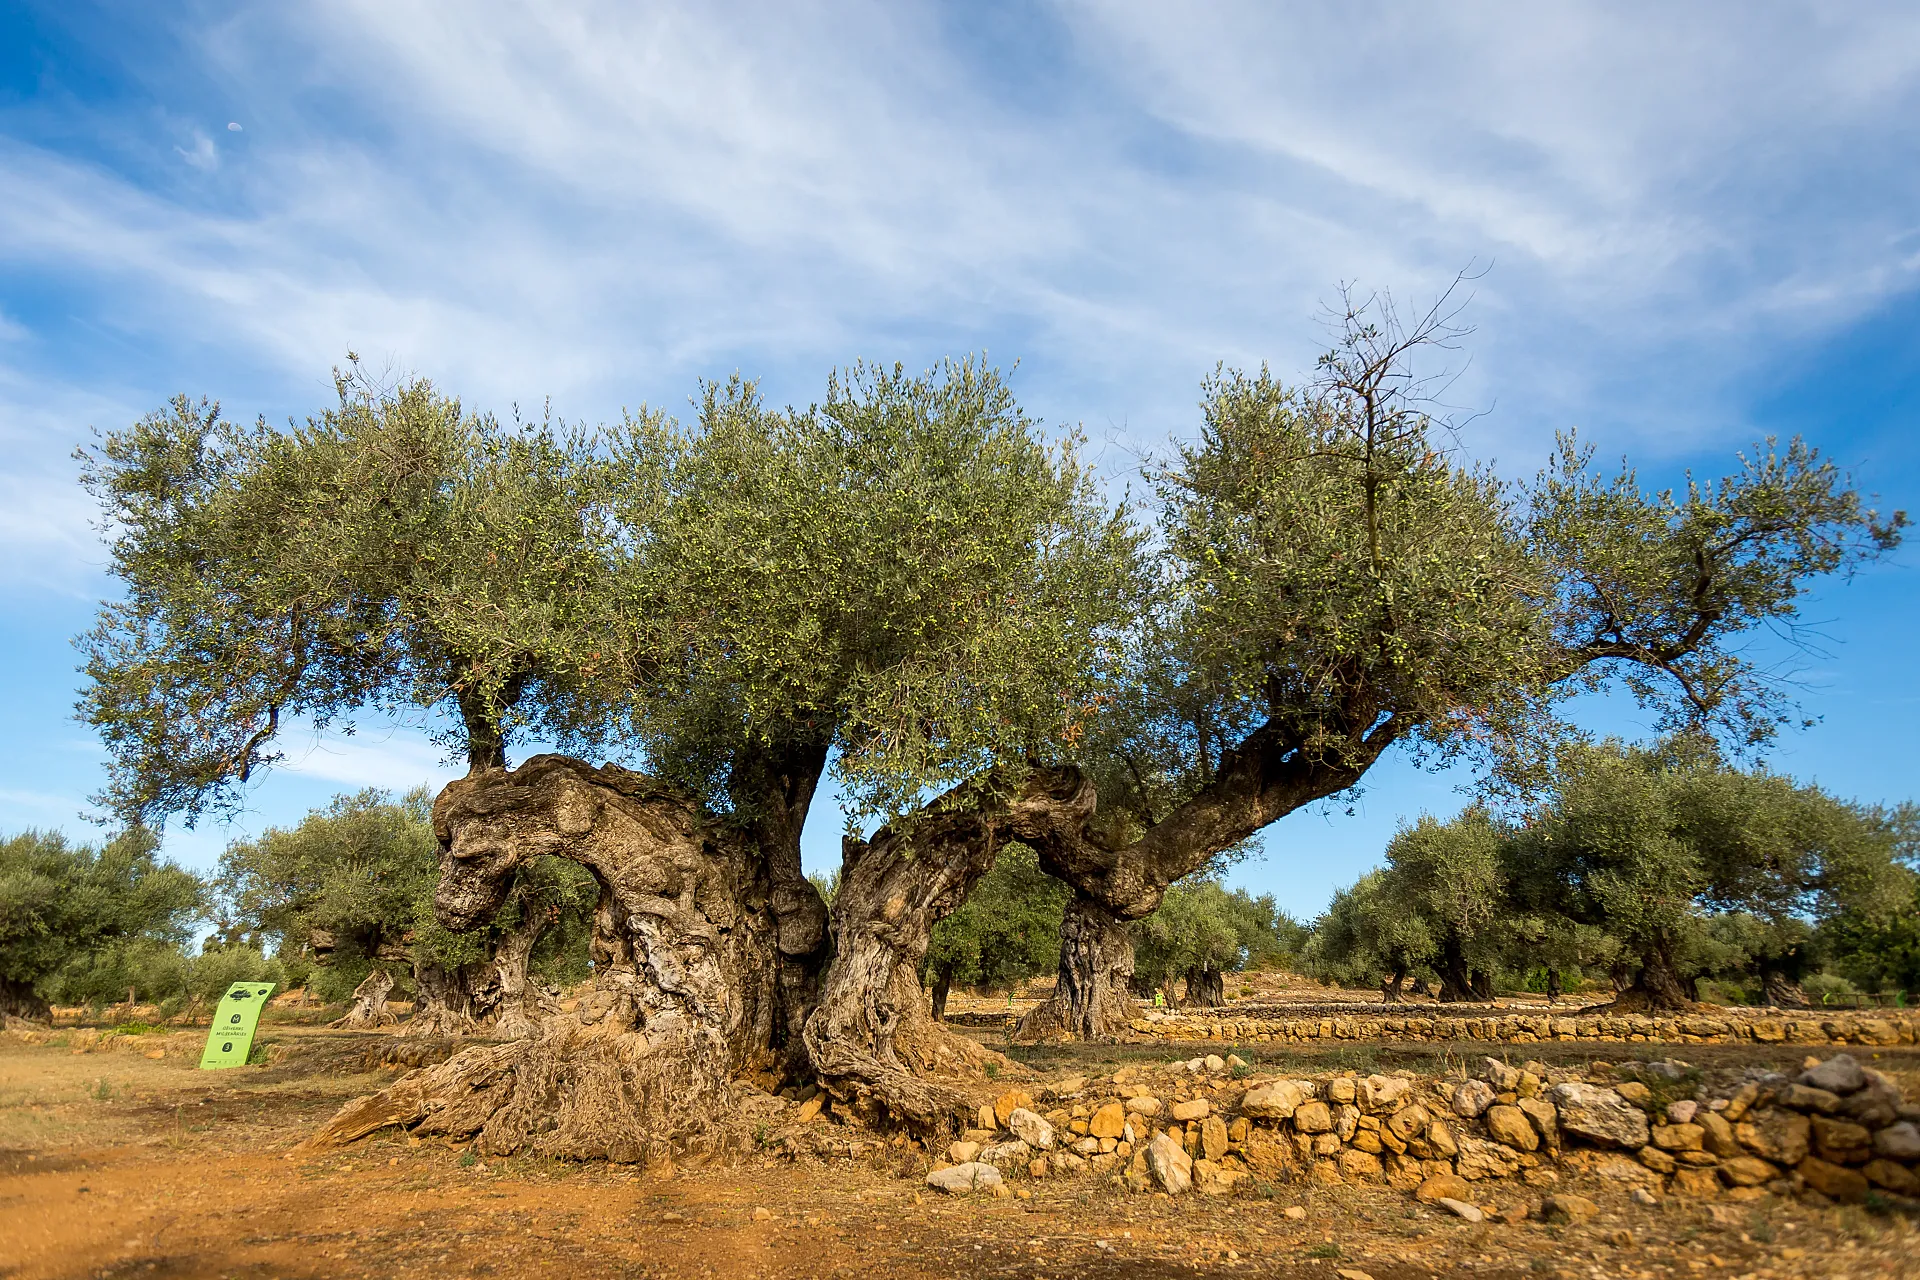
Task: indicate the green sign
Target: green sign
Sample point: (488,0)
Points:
(233,1022)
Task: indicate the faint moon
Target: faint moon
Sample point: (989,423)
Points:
(232,127)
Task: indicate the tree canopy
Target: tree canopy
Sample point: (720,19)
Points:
(63,907)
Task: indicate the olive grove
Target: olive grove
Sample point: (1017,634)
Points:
(913,585)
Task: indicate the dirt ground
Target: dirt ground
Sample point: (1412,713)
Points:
(114,1165)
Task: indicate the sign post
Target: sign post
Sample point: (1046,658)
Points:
(231,1039)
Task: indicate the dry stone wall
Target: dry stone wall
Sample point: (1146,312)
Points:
(1837,1129)
(1878,1028)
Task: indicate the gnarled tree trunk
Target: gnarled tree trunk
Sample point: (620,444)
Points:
(873,1039)
(1206,987)
(1092,996)
(685,986)
(1780,989)
(369,1009)
(509,1001)
(1390,987)
(442,999)
(20,1000)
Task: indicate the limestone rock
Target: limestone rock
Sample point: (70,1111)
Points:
(1461,1209)
(1007,1103)
(1848,1186)
(1215,1063)
(1440,1138)
(1479,1158)
(1545,1122)
(1471,1098)
(1838,1074)
(1503,1078)
(1717,1134)
(1635,1092)
(963,1152)
(1275,1101)
(1213,1137)
(1747,1171)
(1574,1208)
(1170,1164)
(1803,1097)
(1144,1105)
(1361,1166)
(1896,1178)
(1600,1115)
(964,1179)
(1313,1117)
(1510,1125)
(1898,1141)
(1657,1160)
(1108,1121)
(1384,1093)
(1409,1122)
(1031,1129)
(1683,1111)
(1443,1186)
(1679,1137)
(1841,1141)
(1340,1089)
(1780,1136)
(1001,1154)
(1192,1109)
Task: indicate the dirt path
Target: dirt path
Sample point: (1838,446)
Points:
(114,1165)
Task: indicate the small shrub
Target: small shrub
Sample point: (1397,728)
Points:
(1327,1250)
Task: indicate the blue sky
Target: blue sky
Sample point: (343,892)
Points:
(1703,225)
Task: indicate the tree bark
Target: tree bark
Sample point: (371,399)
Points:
(509,1002)
(369,1009)
(1206,987)
(1269,775)
(1553,986)
(772,788)
(1781,990)
(19,1000)
(685,986)
(942,985)
(1659,985)
(1092,995)
(1390,987)
(443,999)
(1456,982)
(872,1038)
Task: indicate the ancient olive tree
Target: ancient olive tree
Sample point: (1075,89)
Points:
(1692,866)
(1336,581)
(1368,936)
(65,907)
(906,582)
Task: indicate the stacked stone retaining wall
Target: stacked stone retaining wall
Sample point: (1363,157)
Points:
(1836,1129)
(1879,1028)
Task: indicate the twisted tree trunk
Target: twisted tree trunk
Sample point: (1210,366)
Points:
(1092,994)
(1390,987)
(872,1038)
(510,1002)
(685,988)
(443,999)
(1206,987)
(1781,989)
(369,1009)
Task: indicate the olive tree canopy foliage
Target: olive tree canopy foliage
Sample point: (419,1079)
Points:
(63,905)
(1202,931)
(1336,578)
(392,552)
